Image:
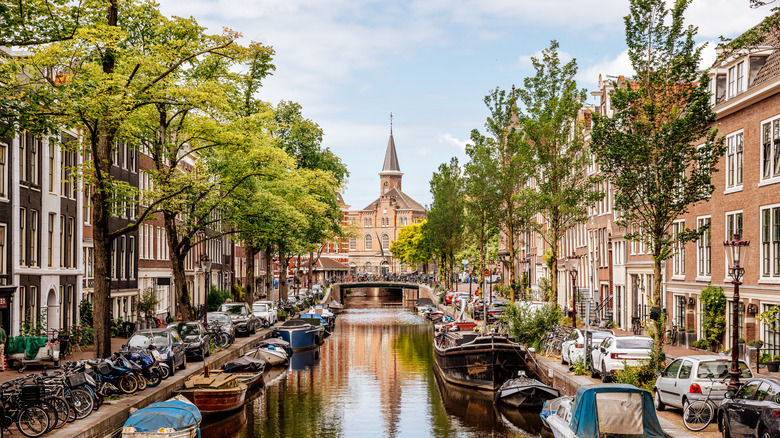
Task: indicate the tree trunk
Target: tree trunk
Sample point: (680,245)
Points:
(251,252)
(658,343)
(512,273)
(178,254)
(269,272)
(554,272)
(282,274)
(298,275)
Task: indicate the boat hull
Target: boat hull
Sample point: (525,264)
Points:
(212,401)
(526,394)
(272,358)
(483,364)
(300,338)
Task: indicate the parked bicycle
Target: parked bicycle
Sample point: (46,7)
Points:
(700,413)
(670,336)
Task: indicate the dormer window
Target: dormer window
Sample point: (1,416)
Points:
(740,77)
(756,63)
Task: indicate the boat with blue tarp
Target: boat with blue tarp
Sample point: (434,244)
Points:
(302,335)
(603,410)
(174,418)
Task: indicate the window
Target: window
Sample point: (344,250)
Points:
(34,169)
(352,244)
(131,258)
(52,165)
(22,237)
(740,77)
(733,224)
(704,250)
(367,239)
(770,136)
(770,242)
(385,241)
(113,259)
(62,241)
(732,82)
(22,158)
(70,243)
(734,160)
(50,241)
(2,253)
(87,204)
(771,334)
(33,237)
(3,171)
(679,312)
(122,259)
(678,258)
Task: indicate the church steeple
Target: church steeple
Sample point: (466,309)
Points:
(391,174)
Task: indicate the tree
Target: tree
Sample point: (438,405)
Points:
(552,131)
(512,163)
(660,149)
(113,66)
(480,200)
(412,246)
(446,217)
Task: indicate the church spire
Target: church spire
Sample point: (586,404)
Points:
(391,158)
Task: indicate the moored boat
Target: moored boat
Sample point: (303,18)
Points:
(423,304)
(174,418)
(248,370)
(335,307)
(525,393)
(480,361)
(272,355)
(221,392)
(302,335)
(614,410)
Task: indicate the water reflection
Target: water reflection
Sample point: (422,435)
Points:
(372,377)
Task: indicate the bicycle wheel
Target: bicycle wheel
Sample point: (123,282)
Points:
(81,402)
(51,411)
(698,415)
(65,414)
(128,384)
(224,340)
(33,421)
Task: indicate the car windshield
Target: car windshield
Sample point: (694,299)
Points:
(235,310)
(600,335)
(188,329)
(144,340)
(720,369)
(260,308)
(218,318)
(639,344)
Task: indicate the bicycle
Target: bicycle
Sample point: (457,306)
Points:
(636,326)
(670,336)
(700,413)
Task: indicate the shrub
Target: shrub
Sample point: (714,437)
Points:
(529,324)
(85,312)
(148,302)
(216,297)
(714,320)
(642,376)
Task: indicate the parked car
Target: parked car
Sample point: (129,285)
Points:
(616,352)
(168,342)
(265,311)
(752,411)
(687,379)
(243,319)
(573,349)
(461,298)
(221,321)
(196,339)
(449,296)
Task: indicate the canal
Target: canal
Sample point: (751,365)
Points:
(373,377)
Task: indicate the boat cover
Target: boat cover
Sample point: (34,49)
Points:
(422,302)
(170,413)
(295,323)
(244,364)
(614,409)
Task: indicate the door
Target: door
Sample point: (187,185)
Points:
(753,407)
(683,382)
(737,410)
(666,385)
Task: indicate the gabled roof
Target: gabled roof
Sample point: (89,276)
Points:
(403,201)
(771,67)
(326,263)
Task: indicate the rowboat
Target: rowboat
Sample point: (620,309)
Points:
(174,418)
(221,392)
(525,393)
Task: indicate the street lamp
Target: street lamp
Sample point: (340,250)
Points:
(525,263)
(471,273)
(571,265)
(736,251)
(205,264)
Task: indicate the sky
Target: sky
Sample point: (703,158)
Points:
(351,63)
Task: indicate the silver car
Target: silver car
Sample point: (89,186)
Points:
(573,349)
(265,311)
(688,379)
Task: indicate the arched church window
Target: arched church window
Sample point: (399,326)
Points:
(367,238)
(385,241)
(353,243)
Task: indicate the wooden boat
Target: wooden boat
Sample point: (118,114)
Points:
(525,393)
(272,357)
(422,304)
(248,370)
(480,361)
(221,392)
(601,410)
(302,335)
(174,418)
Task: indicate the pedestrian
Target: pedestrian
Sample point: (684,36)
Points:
(3,338)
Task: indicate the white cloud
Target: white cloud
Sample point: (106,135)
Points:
(449,140)
(525,62)
(619,65)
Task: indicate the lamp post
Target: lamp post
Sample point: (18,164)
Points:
(471,274)
(571,265)
(525,263)
(205,264)
(736,251)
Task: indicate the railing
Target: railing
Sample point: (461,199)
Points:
(602,308)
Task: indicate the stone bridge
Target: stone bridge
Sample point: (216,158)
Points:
(337,289)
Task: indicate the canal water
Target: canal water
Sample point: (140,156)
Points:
(373,377)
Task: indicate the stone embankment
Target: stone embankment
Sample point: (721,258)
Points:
(108,421)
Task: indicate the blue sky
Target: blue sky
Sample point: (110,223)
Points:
(350,63)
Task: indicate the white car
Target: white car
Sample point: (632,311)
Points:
(688,379)
(616,352)
(573,349)
(266,311)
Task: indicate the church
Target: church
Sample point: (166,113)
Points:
(379,223)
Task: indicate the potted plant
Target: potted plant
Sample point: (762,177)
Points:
(688,337)
(741,347)
(753,348)
(773,365)
(281,315)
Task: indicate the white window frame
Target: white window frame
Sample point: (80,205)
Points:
(678,257)
(52,167)
(3,171)
(704,251)
(735,159)
(770,244)
(740,77)
(22,236)
(769,156)
(367,243)
(3,240)
(732,84)
(34,216)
